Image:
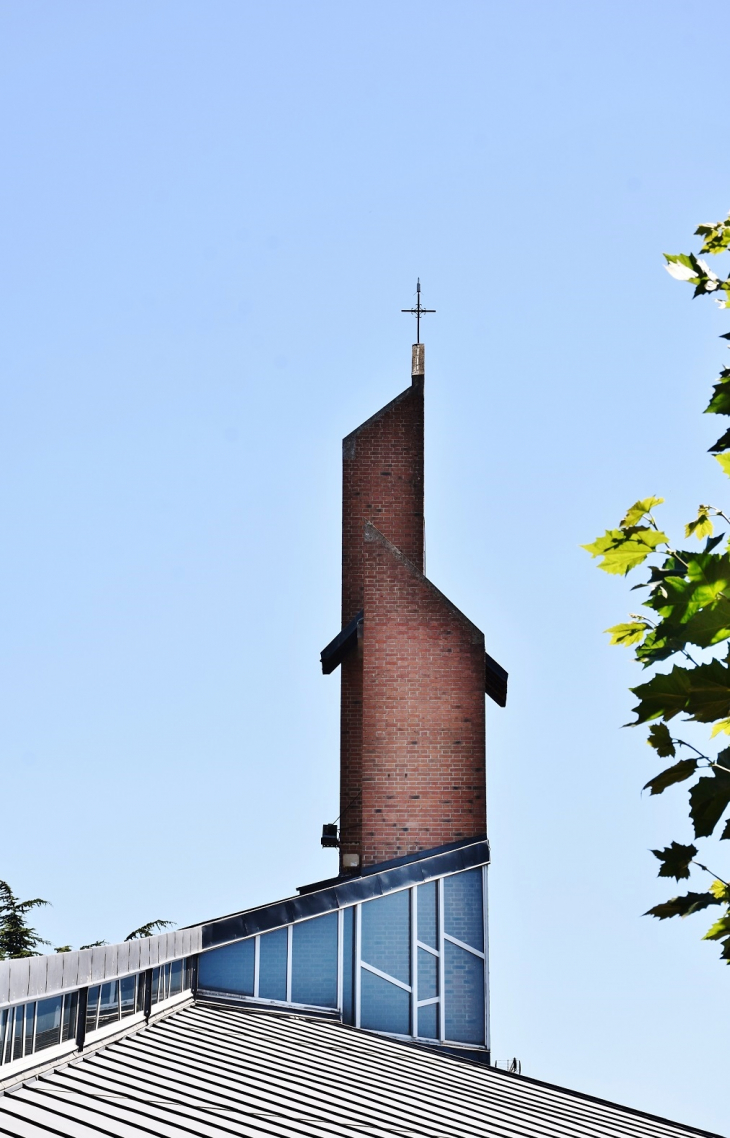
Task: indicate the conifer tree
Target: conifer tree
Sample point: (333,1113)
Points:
(17,938)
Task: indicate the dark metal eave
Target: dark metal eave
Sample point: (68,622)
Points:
(423,867)
(495,680)
(495,676)
(335,652)
(393,863)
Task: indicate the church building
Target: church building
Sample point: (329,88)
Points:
(359,1004)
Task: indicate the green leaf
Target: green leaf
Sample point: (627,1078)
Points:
(675,860)
(700,527)
(708,801)
(723,443)
(703,692)
(671,567)
(682,906)
(663,697)
(724,460)
(709,626)
(722,725)
(639,509)
(713,541)
(709,693)
(627,634)
(623,550)
(707,580)
(656,647)
(717,236)
(678,773)
(695,608)
(677,262)
(661,740)
(711,573)
(719,930)
(720,402)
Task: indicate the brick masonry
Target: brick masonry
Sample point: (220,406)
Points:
(423,712)
(382,482)
(412,705)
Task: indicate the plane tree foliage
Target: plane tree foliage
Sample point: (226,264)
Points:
(681,637)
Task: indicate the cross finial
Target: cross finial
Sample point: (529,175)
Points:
(418,311)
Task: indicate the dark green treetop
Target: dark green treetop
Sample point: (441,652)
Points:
(17,938)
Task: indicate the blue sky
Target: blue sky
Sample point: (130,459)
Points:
(212,216)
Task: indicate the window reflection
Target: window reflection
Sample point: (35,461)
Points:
(48,1023)
(272,965)
(38,1025)
(314,962)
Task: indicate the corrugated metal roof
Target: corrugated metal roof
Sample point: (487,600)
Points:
(212,1071)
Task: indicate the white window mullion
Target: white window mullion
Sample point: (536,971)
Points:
(289,941)
(414,960)
(256,959)
(358,941)
(462,944)
(440,927)
(385,976)
(485,910)
(340,959)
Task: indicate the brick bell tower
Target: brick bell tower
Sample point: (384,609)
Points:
(414,670)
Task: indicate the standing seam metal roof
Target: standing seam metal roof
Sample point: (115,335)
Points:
(212,1071)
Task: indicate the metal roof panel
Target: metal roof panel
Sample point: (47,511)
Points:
(217,1071)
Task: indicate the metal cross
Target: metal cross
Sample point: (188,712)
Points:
(418,311)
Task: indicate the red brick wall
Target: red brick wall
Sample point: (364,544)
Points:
(382,483)
(412,704)
(423,781)
(351,754)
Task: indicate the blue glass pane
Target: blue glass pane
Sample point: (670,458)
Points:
(92,1006)
(228,969)
(126,995)
(29,1021)
(70,1012)
(386,934)
(176,975)
(464,982)
(18,1032)
(348,964)
(463,917)
(427,975)
(4,1012)
(428,1022)
(314,962)
(109,1003)
(158,976)
(141,990)
(48,1026)
(426,899)
(272,965)
(383,1006)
